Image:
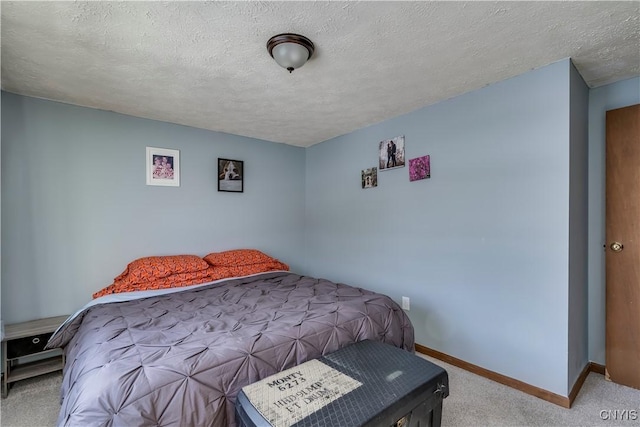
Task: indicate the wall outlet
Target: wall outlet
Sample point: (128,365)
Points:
(406,303)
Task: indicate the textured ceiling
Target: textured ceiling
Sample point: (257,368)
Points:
(205,64)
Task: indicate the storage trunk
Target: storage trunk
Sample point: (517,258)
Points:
(397,389)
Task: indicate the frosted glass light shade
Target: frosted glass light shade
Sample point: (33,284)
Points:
(289,50)
(290,55)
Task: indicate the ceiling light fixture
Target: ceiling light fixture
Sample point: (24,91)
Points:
(290,51)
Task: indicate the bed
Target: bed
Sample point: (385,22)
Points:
(178,357)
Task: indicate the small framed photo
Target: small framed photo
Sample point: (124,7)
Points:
(420,168)
(231,175)
(370,178)
(391,153)
(163,167)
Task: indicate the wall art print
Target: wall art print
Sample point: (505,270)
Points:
(231,175)
(420,168)
(163,167)
(370,178)
(392,153)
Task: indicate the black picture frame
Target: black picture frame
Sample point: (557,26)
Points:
(230,175)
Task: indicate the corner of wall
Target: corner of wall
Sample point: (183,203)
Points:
(1,327)
(578,334)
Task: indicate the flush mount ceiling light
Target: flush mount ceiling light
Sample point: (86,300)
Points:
(290,51)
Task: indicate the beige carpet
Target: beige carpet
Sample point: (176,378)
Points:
(477,401)
(474,401)
(32,403)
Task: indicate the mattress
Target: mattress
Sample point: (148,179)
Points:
(180,358)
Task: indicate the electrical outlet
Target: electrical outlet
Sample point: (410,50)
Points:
(406,303)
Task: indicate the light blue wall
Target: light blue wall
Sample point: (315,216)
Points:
(616,95)
(578,226)
(482,247)
(77,210)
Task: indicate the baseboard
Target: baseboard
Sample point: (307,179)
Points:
(597,368)
(556,399)
(579,382)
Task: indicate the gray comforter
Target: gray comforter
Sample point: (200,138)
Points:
(180,359)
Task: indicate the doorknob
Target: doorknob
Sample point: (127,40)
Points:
(616,246)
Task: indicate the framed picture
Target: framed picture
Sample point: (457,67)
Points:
(230,175)
(370,178)
(163,167)
(392,153)
(419,168)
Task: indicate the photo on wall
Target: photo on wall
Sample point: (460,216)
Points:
(163,167)
(230,175)
(420,168)
(392,153)
(370,178)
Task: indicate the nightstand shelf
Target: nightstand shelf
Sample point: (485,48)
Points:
(24,341)
(33,369)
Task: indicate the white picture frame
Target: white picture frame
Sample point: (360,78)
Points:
(163,167)
(391,153)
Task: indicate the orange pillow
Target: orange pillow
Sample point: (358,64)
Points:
(193,278)
(217,273)
(238,258)
(246,270)
(173,281)
(151,268)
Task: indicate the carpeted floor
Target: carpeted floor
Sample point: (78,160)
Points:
(477,401)
(32,403)
(474,401)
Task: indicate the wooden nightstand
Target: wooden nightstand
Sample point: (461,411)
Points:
(28,339)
